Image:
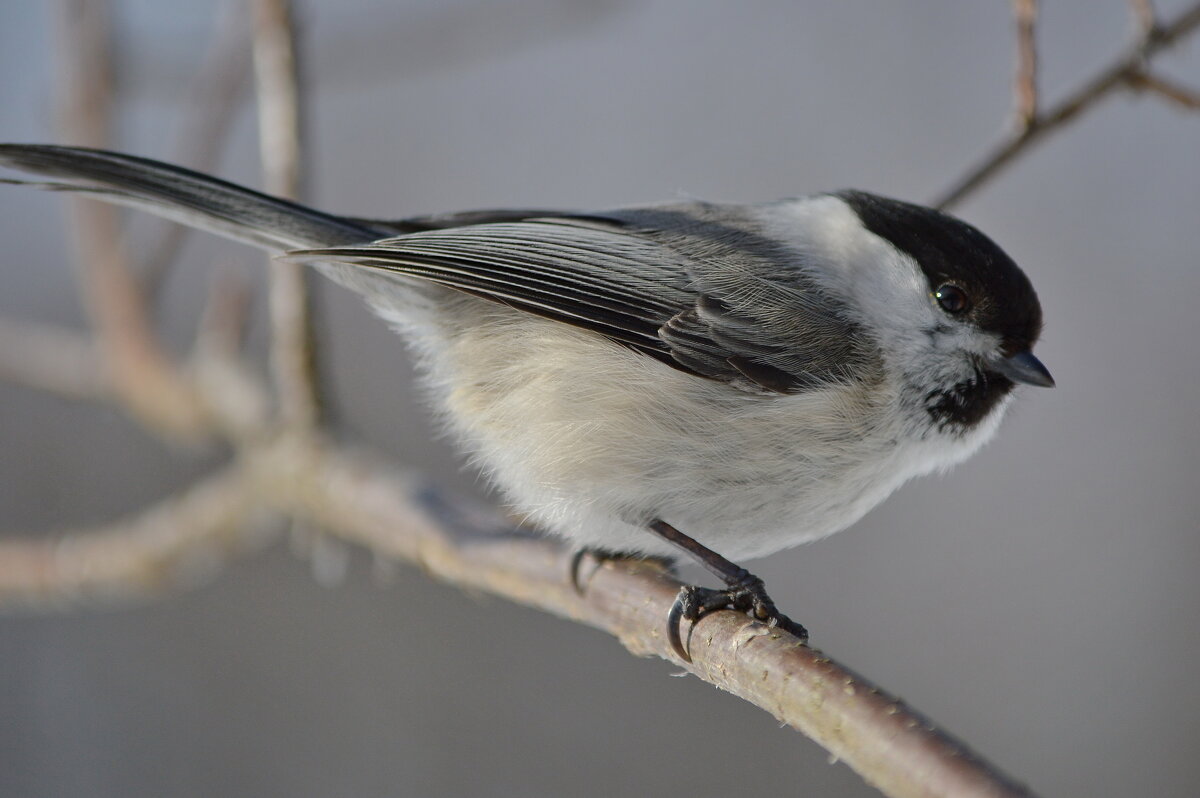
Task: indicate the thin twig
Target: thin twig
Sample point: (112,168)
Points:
(1117,75)
(1026,12)
(1185,97)
(365,501)
(142,373)
(164,547)
(280,126)
(238,400)
(52,359)
(1144,16)
(222,327)
(208,114)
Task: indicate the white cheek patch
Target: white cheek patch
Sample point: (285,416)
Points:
(890,293)
(962,337)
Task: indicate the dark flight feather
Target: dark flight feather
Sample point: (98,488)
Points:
(655,279)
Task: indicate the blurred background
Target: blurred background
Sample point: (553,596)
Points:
(1041,601)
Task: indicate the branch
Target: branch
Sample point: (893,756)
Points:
(236,397)
(1185,97)
(279,120)
(1026,81)
(142,372)
(209,112)
(1144,16)
(52,359)
(362,500)
(1122,73)
(168,545)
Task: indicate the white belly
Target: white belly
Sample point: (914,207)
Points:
(592,441)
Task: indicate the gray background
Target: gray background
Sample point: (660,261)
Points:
(1041,601)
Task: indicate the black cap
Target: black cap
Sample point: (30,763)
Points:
(949,250)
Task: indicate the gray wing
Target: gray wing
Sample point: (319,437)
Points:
(678,283)
(443,221)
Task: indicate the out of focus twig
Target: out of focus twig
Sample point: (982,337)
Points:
(1185,97)
(208,115)
(162,547)
(1143,15)
(890,745)
(280,126)
(239,402)
(153,389)
(52,359)
(1026,12)
(1126,72)
(366,501)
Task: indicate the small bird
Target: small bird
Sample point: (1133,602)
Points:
(726,380)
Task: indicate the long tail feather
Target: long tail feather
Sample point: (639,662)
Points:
(184,196)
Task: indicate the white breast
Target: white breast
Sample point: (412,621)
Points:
(592,441)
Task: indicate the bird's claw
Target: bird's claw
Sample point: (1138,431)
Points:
(577,558)
(749,597)
(600,556)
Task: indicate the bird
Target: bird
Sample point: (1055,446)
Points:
(723,380)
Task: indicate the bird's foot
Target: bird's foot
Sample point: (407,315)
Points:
(746,593)
(602,556)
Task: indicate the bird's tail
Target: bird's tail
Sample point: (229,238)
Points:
(184,196)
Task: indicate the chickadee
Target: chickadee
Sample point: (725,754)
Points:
(699,376)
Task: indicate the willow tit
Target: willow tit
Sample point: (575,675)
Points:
(718,378)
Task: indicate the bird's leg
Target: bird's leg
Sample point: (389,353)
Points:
(745,592)
(601,556)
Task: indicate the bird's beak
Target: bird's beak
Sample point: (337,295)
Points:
(1023,367)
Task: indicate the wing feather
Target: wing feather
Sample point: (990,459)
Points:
(708,303)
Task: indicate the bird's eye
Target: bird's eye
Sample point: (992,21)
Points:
(952,299)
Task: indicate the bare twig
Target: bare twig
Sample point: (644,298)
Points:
(143,375)
(209,112)
(279,117)
(1185,97)
(1026,12)
(1117,75)
(368,502)
(215,95)
(238,400)
(164,547)
(52,359)
(1144,16)
(223,323)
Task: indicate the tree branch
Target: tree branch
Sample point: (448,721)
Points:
(363,500)
(1026,81)
(208,115)
(279,119)
(164,547)
(142,372)
(1143,16)
(1185,97)
(1119,74)
(366,501)
(52,359)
